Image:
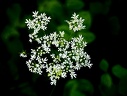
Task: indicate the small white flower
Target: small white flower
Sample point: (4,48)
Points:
(44,60)
(55,54)
(62,33)
(56,43)
(35,14)
(72,74)
(64,74)
(53,82)
(23,54)
(76,23)
(39,21)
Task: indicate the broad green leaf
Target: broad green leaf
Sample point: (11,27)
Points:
(88,36)
(88,19)
(10,36)
(52,7)
(8,32)
(106,80)
(14,14)
(63,28)
(104,65)
(85,86)
(76,93)
(68,33)
(119,71)
(74,5)
(78,87)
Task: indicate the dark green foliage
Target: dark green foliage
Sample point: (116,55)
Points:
(88,19)
(78,87)
(106,80)
(119,71)
(74,5)
(104,65)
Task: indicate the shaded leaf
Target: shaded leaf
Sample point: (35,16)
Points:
(85,86)
(88,19)
(14,14)
(108,91)
(53,7)
(74,5)
(104,65)
(63,28)
(119,71)
(10,36)
(68,33)
(106,80)
(76,93)
(78,87)
(88,36)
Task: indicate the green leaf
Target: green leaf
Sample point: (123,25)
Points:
(53,7)
(78,87)
(74,5)
(104,65)
(14,14)
(76,93)
(85,86)
(106,80)
(88,19)
(88,36)
(63,28)
(119,71)
(68,33)
(10,36)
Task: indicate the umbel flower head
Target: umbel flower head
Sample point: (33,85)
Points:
(55,55)
(76,23)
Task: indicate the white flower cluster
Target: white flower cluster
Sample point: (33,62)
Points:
(57,56)
(76,23)
(39,22)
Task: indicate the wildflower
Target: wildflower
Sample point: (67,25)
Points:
(76,23)
(23,54)
(64,57)
(39,21)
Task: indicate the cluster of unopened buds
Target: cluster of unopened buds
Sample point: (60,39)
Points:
(55,55)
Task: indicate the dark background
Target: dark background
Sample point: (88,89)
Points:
(105,33)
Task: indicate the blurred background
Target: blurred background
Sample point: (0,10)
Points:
(105,33)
